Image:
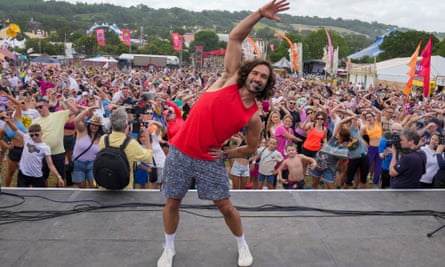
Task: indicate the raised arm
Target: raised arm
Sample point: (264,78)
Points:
(232,60)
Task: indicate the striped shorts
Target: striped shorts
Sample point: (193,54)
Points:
(180,170)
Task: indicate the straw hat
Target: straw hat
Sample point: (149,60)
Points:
(96,120)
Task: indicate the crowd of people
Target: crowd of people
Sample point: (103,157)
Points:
(73,104)
(191,128)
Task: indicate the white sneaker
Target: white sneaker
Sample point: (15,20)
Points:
(166,259)
(244,256)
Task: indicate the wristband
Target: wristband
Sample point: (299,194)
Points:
(225,155)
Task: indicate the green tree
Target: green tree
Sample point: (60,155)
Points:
(208,39)
(86,45)
(441,48)
(403,44)
(315,42)
(157,46)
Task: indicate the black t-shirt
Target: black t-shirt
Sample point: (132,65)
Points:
(410,167)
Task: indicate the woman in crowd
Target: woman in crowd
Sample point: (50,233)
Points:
(373,129)
(86,147)
(16,141)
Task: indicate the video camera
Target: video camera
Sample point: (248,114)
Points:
(393,139)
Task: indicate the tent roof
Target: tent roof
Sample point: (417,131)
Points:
(283,63)
(45,58)
(395,69)
(101,59)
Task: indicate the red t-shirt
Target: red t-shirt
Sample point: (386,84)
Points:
(213,119)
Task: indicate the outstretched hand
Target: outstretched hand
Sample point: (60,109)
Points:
(271,9)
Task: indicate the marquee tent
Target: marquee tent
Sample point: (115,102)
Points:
(395,70)
(100,61)
(283,63)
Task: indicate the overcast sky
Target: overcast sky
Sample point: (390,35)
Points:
(423,15)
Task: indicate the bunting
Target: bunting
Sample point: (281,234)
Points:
(100,36)
(412,69)
(126,37)
(177,41)
(426,66)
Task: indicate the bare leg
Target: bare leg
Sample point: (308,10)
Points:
(171,215)
(231,216)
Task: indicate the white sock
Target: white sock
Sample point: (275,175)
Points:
(170,240)
(240,240)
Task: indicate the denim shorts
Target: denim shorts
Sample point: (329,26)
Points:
(82,171)
(180,171)
(270,179)
(327,174)
(240,170)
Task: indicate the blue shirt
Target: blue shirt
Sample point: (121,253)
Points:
(362,149)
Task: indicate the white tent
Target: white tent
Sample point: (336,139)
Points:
(283,63)
(394,70)
(100,61)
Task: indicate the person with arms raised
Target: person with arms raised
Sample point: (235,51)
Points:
(226,107)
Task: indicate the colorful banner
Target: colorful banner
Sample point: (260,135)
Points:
(126,37)
(294,57)
(330,47)
(412,69)
(100,36)
(177,41)
(255,48)
(426,66)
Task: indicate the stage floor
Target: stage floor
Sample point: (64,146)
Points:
(131,232)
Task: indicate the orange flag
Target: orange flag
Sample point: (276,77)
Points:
(412,69)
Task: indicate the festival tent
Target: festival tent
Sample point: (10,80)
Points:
(394,70)
(100,61)
(6,53)
(283,63)
(373,50)
(46,60)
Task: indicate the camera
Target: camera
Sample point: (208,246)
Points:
(136,110)
(441,140)
(394,139)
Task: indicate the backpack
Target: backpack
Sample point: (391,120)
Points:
(111,169)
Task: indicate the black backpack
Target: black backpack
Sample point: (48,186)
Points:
(111,169)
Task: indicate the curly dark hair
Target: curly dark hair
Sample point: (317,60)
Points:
(247,67)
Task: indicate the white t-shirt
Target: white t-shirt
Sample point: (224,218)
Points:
(32,157)
(268,160)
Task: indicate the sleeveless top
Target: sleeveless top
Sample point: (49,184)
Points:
(82,144)
(314,139)
(11,134)
(213,119)
(376,132)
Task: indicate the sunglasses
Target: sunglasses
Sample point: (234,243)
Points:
(34,134)
(149,113)
(291,103)
(39,107)
(320,119)
(308,113)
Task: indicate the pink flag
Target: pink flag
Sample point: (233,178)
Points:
(177,41)
(426,66)
(126,37)
(100,36)
(331,48)
(272,47)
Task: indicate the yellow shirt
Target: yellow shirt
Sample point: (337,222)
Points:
(52,128)
(134,151)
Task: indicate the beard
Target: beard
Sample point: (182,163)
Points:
(254,88)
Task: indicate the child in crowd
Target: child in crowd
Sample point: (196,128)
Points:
(268,158)
(34,152)
(296,164)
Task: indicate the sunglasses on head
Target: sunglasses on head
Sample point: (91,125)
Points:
(34,134)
